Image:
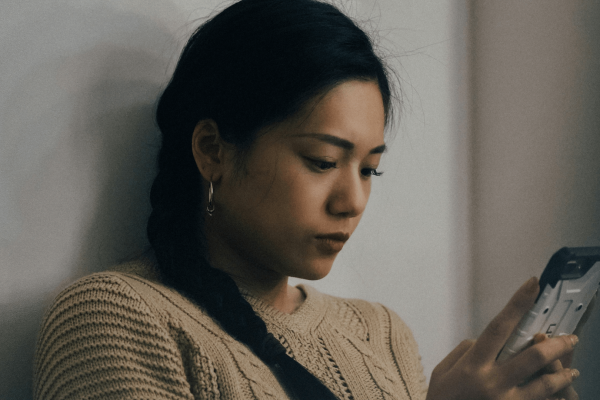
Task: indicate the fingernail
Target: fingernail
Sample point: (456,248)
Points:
(539,337)
(574,339)
(575,373)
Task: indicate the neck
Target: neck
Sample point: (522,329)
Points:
(269,286)
(280,296)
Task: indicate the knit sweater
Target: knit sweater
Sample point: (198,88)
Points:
(124,335)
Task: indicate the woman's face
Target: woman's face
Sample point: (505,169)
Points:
(303,188)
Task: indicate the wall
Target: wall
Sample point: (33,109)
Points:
(536,130)
(79,82)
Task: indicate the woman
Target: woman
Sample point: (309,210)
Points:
(273,127)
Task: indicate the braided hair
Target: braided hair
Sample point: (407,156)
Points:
(253,64)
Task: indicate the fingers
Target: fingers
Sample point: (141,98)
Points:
(548,385)
(554,366)
(567,360)
(542,355)
(567,393)
(455,355)
(497,332)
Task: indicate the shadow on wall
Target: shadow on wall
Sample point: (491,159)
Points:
(78,155)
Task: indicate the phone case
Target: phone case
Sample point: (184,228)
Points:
(567,285)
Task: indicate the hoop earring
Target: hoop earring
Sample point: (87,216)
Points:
(210,208)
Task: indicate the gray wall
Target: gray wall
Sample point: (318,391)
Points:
(536,149)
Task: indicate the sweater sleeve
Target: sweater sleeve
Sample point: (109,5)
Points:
(405,351)
(101,340)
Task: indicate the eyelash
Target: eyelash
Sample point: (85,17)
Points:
(322,165)
(368,172)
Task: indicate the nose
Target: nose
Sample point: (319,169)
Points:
(349,195)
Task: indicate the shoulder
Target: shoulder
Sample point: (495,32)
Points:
(131,294)
(99,334)
(125,289)
(97,293)
(93,305)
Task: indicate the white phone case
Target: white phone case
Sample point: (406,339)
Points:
(562,301)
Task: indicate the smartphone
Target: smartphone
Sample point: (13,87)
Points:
(567,285)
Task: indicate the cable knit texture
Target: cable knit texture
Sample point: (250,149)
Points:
(123,335)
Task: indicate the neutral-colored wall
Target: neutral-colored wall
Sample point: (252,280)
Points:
(536,149)
(78,82)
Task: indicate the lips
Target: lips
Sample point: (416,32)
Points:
(332,243)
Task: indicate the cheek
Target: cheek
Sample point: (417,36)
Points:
(299,197)
(277,199)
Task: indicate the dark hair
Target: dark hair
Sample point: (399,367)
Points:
(254,64)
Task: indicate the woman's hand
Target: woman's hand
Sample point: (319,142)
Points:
(470,371)
(567,393)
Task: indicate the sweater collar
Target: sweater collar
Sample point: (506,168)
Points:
(306,317)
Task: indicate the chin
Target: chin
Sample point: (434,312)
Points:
(316,271)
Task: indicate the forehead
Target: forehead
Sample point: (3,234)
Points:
(352,110)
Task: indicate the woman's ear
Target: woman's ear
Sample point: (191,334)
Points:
(208,150)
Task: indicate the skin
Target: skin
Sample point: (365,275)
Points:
(305,177)
(311,176)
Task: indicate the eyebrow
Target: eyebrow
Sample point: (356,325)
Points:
(342,143)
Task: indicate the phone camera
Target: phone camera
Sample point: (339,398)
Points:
(574,269)
(573,266)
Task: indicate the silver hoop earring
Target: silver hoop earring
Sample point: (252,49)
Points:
(210,208)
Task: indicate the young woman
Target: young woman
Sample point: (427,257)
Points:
(273,127)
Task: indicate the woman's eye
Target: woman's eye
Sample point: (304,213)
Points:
(322,165)
(368,172)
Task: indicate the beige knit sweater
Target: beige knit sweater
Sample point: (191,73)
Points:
(123,335)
